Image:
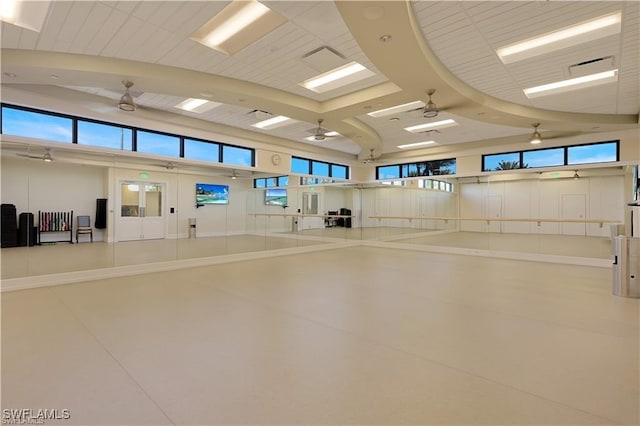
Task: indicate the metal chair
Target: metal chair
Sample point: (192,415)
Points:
(84,227)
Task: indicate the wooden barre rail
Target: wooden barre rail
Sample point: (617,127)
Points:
(600,222)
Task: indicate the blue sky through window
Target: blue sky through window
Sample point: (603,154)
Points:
(544,157)
(104,136)
(200,150)
(599,153)
(35,125)
(159,144)
(236,155)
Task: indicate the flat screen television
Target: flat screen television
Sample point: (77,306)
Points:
(275,197)
(207,193)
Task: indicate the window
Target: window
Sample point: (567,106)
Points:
(508,161)
(544,157)
(594,153)
(319,168)
(599,152)
(388,172)
(300,165)
(236,155)
(304,166)
(271,182)
(201,150)
(104,135)
(31,124)
(422,168)
(158,143)
(339,172)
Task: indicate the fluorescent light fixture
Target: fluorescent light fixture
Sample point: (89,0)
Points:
(337,77)
(396,109)
(573,84)
(272,123)
(25,14)
(238,25)
(433,125)
(582,32)
(415,145)
(197,105)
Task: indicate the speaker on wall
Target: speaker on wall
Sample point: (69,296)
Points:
(101,213)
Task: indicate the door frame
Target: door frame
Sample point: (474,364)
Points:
(118,234)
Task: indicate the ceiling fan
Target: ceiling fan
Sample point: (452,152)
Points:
(320,133)
(536,137)
(430,110)
(236,175)
(370,159)
(46,157)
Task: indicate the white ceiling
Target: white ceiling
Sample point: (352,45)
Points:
(462,35)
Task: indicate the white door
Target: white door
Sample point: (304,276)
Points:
(141,211)
(573,206)
(494,211)
(310,206)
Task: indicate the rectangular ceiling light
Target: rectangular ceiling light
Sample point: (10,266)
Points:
(566,37)
(25,14)
(338,77)
(272,123)
(415,145)
(433,125)
(197,105)
(396,109)
(238,25)
(572,84)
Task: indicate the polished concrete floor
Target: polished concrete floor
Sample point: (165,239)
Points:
(357,335)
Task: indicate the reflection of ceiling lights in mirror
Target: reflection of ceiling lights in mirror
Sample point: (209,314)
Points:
(573,84)
(433,125)
(415,145)
(25,14)
(272,123)
(337,77)
(237,26)
(197,105)
(396,109)
(585,31)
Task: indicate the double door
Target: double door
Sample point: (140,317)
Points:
(141,211)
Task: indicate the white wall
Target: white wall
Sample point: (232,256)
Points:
(34,185)
(603,199)
(403,201)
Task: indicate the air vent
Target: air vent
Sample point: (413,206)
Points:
(324,59)
(592,66)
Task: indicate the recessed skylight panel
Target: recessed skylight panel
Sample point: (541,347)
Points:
(610,76)
(573,35)
(432,125)
(397,109)
(238,25)
(338,77)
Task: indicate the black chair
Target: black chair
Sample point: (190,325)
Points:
(84,227)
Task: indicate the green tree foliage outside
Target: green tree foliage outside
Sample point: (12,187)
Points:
(510,165)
